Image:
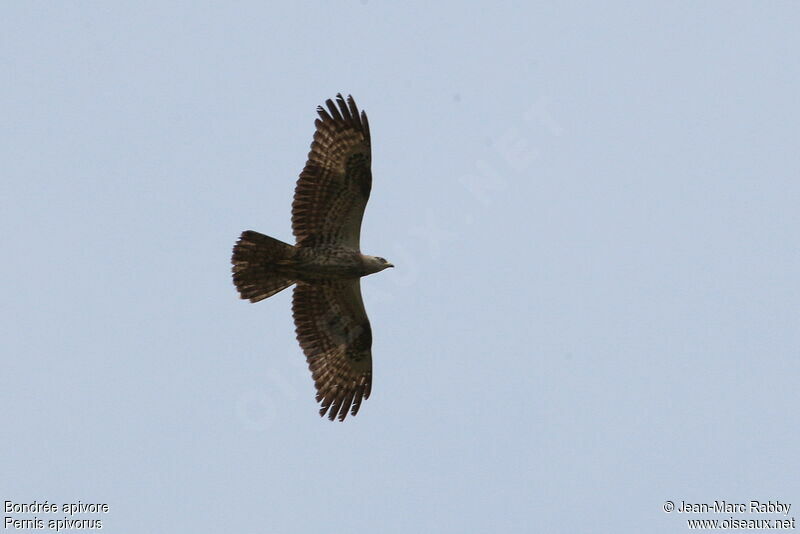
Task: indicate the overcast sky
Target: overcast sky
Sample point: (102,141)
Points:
(593,211)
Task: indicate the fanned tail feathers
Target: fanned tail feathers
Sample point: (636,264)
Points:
(256,265)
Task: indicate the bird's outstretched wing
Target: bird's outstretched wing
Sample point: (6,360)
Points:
(334,332)
(334,187)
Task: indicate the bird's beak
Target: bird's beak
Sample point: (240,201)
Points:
(389,265)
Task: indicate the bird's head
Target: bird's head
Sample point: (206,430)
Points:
(375,264)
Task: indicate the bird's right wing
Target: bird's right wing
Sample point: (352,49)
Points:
(334,187)
(334,332)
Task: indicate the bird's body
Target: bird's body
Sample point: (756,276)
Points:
(326,262)
(330,262)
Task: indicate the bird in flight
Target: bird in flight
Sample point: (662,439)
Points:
(326,261)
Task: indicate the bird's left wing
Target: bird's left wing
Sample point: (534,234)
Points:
(334,187)
(334,332)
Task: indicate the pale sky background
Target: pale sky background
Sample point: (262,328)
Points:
(593,210)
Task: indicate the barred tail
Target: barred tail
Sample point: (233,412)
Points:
(256,265)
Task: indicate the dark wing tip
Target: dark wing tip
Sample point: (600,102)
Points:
(334,111)
(365,125)
(348,117)
(338,405)
(323,114)
(344,110)
(352,108)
